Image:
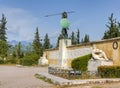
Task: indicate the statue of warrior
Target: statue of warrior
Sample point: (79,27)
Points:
(65,25)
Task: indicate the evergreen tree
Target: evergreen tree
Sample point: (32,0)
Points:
(37,46)
(78,37)
(3,28)
(105,35)
(14,54)
(46,44)
(85,39)
(82,41)
(19,51)
(3,49)
(113,28)
(73,38)
(3,38)
(28,49)
(59,37)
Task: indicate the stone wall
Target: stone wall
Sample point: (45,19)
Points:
(52,56)
(77,51)
(108,47)
(83,49)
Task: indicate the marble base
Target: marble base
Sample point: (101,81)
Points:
(94,64)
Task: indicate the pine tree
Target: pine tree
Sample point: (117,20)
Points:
(28,49)
(3,38)
(46,44)
(3,49)
(85,39)
(19,51)
(73,38)
(82,41)
(3,28)
(113,28)
(37,46)
(14,54)
(105,35)
(59,37)
(78,37)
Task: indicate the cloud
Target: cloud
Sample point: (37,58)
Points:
(20,24)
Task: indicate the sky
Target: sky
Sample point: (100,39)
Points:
(24,16)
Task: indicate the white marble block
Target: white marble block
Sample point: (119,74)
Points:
(94,64)
(62,60)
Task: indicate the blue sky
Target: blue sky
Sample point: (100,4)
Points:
(24,16)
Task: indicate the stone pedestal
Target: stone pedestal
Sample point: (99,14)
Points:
(94,64)
(62,60)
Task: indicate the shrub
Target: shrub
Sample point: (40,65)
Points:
(27,61)
(1,61)
(11,60)
(33,56)
(109,71)
(81,63)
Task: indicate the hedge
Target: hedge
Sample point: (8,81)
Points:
(27,61)
(109,71)
(30,59)
(1,61)
(81,63)
(11,61)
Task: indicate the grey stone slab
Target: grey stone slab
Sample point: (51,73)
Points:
(65,82)
(94,64)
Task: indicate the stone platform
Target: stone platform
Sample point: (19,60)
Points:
(94,64)
(67,73)
(65,82)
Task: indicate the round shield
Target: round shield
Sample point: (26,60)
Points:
(64,23)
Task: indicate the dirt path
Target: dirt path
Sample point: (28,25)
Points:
(22,77)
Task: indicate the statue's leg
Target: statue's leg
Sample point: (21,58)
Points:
(63,33)
(105,57)
(66,34)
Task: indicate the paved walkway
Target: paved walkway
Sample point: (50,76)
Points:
(22,77)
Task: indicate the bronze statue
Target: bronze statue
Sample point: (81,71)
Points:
(64,23)
(64,29)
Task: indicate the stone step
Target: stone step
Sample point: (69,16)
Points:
(65,82)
